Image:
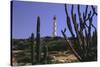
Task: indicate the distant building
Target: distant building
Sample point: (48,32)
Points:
(54,27)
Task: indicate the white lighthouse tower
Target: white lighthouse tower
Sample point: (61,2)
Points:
(54,26)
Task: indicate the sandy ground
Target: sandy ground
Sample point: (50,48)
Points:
(62,58)
(58,57)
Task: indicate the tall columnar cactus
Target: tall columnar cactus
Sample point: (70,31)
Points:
(38,46)
(33,60)
(45,53)
(84,39)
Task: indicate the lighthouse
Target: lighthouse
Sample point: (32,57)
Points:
(54,26)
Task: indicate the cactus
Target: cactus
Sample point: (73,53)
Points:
(45,53)
(84,41)
(38,50)
(69,23)
(32,50)
(70,46)
(38,46)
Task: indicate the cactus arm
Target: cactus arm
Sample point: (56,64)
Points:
(71,47)
(69,22)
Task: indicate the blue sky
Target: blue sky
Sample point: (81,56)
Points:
(25,18)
